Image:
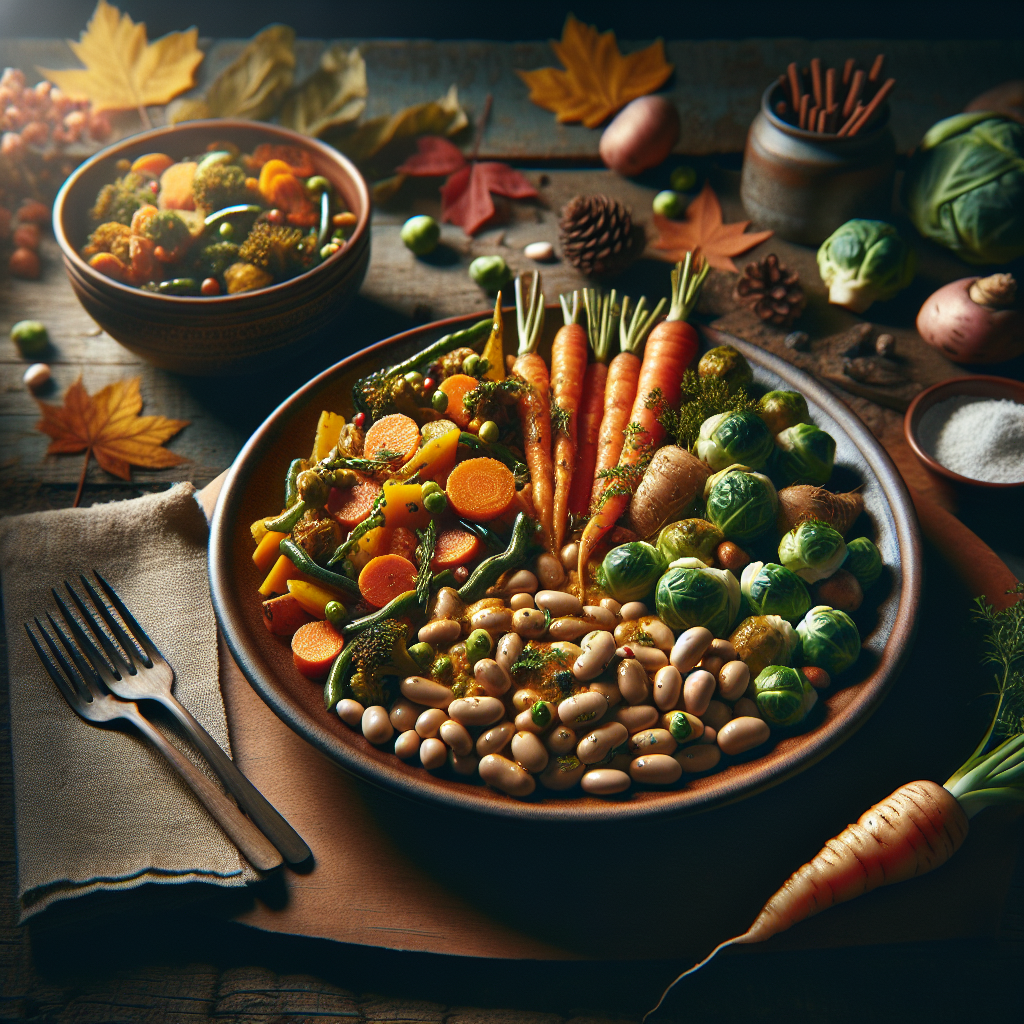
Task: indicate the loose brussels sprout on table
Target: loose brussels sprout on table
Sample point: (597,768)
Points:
(690,538)
(762,640)
(630,571)
(728,364)
(784,695)
(740,503)
(864,560)
(734,438)
(804,454)
(692,594)
(772,589)
(813,550)
(782,409)
(864,261)
(829,639)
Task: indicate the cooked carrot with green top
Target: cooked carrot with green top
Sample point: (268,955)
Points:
(351,505)
(385,577)
(314,648)
(669,350)
(456,387)
(396,433)
(481,489)
(534,403)
(455,546)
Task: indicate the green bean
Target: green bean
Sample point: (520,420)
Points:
(489,537)
(230,211)
(488,571)
(396,608)
(336,678)
(302,561)
(286,521)
(291,487)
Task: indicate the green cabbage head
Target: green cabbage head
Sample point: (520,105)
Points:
(864,261)
(965,187)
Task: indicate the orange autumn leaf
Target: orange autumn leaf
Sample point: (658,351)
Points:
(598,80)
(108,425)
(124,71)
(703,233)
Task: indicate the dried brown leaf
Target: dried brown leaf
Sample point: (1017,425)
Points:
(335,94)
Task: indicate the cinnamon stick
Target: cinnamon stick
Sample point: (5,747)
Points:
(816,79)
(782,108)
(869,110)
(830,88)
(794,86)
(805,100)
(876,69)
(821,119)
(848,70)
(812,118)
(857,111)
(853,96)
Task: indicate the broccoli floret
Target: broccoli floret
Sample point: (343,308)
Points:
(212,260)
(112,237)
(218,185)
(117,202)
(378,652)
(166,228)
(282,250)
(244,277)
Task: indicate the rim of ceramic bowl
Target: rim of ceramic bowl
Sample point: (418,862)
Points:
(826,138)
(1013,389)
(224,128)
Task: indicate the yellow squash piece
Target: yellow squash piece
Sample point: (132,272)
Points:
(328,430)
(436,458)
(268,549)
(371,544)
(403,505)
(312,597)
(278,577)
(494,350)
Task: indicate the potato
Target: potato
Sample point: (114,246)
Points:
(641,135)
(672,481)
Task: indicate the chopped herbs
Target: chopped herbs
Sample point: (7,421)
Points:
(701,398)
(533,659)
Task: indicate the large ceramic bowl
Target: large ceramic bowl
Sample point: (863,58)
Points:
(254,488)
(226,333)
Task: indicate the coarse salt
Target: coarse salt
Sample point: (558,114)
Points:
(982,439)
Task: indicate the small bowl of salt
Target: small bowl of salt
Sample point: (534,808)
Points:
(970,430)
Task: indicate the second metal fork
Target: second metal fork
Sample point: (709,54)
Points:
(147,675)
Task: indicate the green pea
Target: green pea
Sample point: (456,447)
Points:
(317,184)
(420,235)
(470,365)
(414,377)
(683,178)
(490,272)
(422,654)
(435,502)
(439,400)
(478,645)
(226,230)
(431,487)
(668,204)
(489,432)
(679,726)
(335,613)
(30,336)
(541,714)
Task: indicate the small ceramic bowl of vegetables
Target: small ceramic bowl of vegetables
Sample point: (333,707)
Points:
(214,247)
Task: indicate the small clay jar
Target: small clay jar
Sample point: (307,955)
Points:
(803,185)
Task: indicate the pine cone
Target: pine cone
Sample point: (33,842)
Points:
(771,291)
(596,233)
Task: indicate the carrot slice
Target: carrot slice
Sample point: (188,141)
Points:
(283,615)
(456,387)
(315,647)
(481,489)
(455,546)
(403,542)
(351,505)
(385,577)
(395,433)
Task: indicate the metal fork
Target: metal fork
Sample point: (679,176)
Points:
(81,691)
(147,675)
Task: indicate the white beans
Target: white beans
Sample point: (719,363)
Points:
(733,679)
(523,700)
(433,754)
(611,605)
(652,741)
(521,582)
(448,604)
(599,743)
(350,712)
(463,764)
(709,735)
(746,708)
(439,632)
(550,571)
(421,690)
(633,682)
(529,622)
(602,617)
(523,600)
(698,757)
(404,714)
(568,627)
(456,736)
(633,610)
(524,722)
(581,708)
(570,555)
(720,652)
(690,647)
(560,740)
(608,690)
(655,769)
(506,775)
(559,776)
(491,677)
(510,647)
(682,727)
(742,734)
(716,715)
(605,781)
(652,658)
(558,602)
(529,752)
(495,739)
(407,745)
(429,723)
(493,620)
(636,717)
(476,710)
(698,689)
(667,685)
(376,725)
(598,649)
(662,636)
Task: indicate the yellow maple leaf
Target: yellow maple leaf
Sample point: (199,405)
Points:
(108,426)
(122,70)
(598,80)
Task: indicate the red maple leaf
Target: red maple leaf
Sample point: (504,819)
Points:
(435,157)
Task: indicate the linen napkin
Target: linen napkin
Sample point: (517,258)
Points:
(98,808)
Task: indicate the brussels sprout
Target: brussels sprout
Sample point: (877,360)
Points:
(864,261)
(864,560)
(762,640)
(420,235)
(775,590)
(813,550)
(490,272)
(630,571)
(964,187)
(804,454)
(690,538)
(734,438)
(740,503)
(784,695)
(669,204)
(829,639)
(782,409)
(692,594)
(728,364)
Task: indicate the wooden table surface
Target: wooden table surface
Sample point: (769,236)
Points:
(197,965)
